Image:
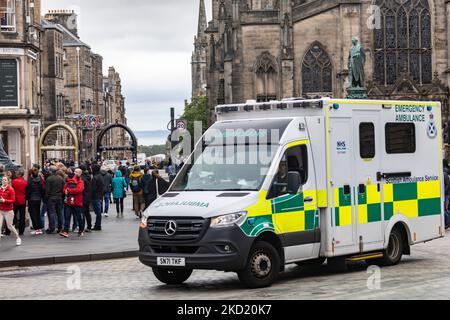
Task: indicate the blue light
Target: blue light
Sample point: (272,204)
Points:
(430,109)
(336,106)
(251,222)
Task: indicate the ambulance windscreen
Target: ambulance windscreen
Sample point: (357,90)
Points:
(234,156)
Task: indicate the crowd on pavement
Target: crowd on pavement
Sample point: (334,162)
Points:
(66,195)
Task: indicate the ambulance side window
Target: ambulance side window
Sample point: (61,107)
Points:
(367,140)
(295,159)
(400,138)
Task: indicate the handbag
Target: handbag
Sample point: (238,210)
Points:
(124,189)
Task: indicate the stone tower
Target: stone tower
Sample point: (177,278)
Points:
(199,56)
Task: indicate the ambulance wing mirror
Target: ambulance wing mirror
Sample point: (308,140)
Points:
(294,182)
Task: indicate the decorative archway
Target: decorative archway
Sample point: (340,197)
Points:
(104,148)
(43,148)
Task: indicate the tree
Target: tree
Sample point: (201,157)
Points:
(197,110)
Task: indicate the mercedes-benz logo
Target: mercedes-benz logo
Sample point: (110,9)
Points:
(171,228)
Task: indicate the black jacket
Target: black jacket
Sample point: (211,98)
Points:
(447,181)
(54,187)
(163,186)
(107,181)
(35,189)
(87,179)
(98,187)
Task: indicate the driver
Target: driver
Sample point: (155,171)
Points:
(281,178)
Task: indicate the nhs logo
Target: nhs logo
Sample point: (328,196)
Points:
(341,147)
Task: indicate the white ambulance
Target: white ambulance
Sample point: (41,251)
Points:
(301,182)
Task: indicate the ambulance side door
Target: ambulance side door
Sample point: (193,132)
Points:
(367,192)
(296,216)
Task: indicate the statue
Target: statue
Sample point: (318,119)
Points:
(356,62)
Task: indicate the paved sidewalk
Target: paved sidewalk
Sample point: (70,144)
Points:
(119,239)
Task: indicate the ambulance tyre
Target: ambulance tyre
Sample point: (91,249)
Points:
(172,276)
(394,252)
(263,266)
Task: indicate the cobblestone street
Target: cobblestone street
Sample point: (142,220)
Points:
(424,275)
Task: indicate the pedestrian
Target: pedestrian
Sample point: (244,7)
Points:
(146,182)
(158,186)
(107,182)
(447,193)
(20,188)
(97,193)
(138,193)
(73,190)
(35,195)
(54,188)
(119,192)
(87,198)
(7,199)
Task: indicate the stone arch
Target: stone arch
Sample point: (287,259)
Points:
(102,148)
(316,71)
(75,144)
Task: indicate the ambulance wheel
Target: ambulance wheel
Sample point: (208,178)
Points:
(172,276)
(312,263)
(262,267)
(393,254)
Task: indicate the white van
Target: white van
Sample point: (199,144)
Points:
(333,180)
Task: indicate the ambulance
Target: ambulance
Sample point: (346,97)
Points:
(301,182)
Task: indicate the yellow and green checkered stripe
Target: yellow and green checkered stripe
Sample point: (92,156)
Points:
(413,200)
(286,214)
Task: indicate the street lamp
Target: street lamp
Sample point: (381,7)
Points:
(79,78)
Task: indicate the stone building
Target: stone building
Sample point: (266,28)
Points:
(85,107)
(20,78)
(114,103)
(199,56)
(273,49)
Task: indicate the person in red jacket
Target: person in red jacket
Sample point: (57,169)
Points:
(7,199)
(20,188)
(73,191)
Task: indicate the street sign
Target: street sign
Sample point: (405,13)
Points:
(181,124)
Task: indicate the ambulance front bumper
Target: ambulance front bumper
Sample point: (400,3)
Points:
(216,249)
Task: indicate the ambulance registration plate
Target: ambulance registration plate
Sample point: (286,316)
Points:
(172,262)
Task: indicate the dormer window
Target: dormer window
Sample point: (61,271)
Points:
(8,15)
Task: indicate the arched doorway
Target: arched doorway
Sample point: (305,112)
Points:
(104,148)
(43,148)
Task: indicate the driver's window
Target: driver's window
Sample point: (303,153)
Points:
(294,160)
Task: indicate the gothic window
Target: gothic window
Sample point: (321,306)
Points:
(403,44)
(266,72)
(316,71)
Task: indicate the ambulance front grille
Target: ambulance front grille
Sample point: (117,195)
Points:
(187,229)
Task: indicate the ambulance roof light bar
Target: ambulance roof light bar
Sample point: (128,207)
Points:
(252,106)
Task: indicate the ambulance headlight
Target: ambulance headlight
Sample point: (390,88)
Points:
(144,219)
(229,220)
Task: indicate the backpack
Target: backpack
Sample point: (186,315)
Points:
(136,185)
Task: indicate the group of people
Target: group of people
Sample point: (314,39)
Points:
(66,195)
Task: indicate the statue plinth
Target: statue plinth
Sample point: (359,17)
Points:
(357,93)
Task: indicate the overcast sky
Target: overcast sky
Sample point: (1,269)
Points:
(150,43)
